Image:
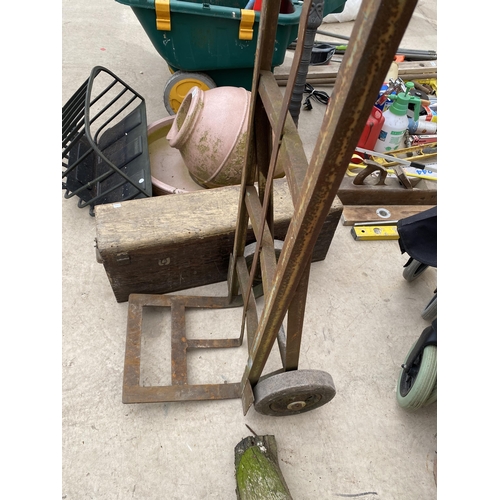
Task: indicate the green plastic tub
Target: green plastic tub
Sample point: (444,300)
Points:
(205,36)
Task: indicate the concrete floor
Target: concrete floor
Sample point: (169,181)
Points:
(361,319)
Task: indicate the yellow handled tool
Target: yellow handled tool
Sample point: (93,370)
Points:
(375,231)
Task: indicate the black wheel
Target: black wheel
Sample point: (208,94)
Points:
(179,84)
(413,270)
(249,253)
(293,392)
(416,385)
(430,311)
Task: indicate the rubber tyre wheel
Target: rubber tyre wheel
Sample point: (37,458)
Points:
(248,253)
(179,84)
(413,270)
(433,397)
(430,311)
(415,388)
(293,392)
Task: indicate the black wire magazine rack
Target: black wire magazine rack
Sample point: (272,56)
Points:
(105,155)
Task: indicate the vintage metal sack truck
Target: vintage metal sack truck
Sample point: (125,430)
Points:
(377,33)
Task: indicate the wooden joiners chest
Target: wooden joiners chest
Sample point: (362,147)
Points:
(168,243)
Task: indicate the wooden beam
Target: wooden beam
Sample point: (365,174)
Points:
(327,74)
(353,214)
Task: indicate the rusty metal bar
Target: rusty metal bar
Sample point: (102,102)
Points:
(268,256)
(291,157)
(171,393)
(295,323)
(252,319)
(263,61)
(278,134)
(263,138)
(178,343)
(374,41)
(132,363)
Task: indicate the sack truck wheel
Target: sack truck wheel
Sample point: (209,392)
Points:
(418,386)
(413,270)
(179,84)
(293,392)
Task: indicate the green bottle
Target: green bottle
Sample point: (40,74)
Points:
(393,130)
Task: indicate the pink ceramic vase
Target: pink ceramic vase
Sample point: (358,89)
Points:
(210,131)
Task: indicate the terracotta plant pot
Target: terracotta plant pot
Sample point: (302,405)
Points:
(210,131)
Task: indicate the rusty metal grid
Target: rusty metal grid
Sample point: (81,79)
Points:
(179,390)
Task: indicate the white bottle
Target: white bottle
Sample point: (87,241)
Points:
(392,134)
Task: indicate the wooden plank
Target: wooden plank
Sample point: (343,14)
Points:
(392,193)
(323,81)
(327,74)
(353,214)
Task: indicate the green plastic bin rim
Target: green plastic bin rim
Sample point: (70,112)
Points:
(208,9)
(333,7)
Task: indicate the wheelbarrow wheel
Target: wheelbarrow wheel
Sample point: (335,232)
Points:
(416,386)
(430,311)
(179,84)
(293,392)
(413,270)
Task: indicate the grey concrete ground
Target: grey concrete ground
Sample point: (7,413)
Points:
(361,319)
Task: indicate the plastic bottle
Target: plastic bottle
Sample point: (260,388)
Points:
(391,136)
(372,129)
(421,126)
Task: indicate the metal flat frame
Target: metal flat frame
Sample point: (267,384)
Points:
(133,392)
